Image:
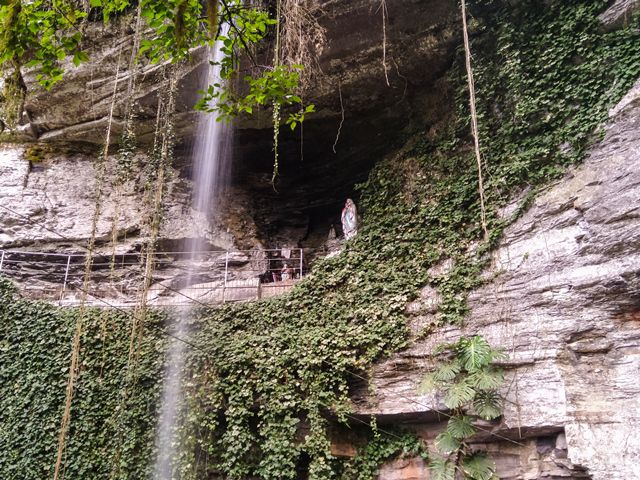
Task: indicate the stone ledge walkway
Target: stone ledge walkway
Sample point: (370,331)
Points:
(180,278)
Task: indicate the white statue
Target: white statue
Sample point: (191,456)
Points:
(349,219)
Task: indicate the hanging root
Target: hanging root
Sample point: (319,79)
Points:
(164,139)
(276,134)
(133,64)
(303,38)
(276,105)
(335,144)
(385,14)
(127,142)
(474,119)
(77,337)
(12,99)
(14,90)
(179,22)
(299,41)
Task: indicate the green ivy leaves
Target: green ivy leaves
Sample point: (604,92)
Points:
(40,34)
(380,448)
(110,436)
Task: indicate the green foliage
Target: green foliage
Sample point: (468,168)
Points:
(40,34)
(467,376)
(469,381)
(36,153)
(379,449)
(442,469)
(275,85)
(110,8)
(177,26)
(265,375)
(126,153)
(266,86)
(545,79)
(35,347)
(478,466)
(419,208)
(43,34)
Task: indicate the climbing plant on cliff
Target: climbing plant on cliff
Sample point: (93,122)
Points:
(543,77)
(37,34)
(34,360)
(469,381)
(266,380)
(381,447)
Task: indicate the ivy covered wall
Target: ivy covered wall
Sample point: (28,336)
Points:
(265,380)
(112,420)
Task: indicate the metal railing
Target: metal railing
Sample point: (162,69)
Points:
(180,278)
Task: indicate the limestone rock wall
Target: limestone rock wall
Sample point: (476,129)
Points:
(77,108)
(619,13)
(562,298)
(315,175)
(48,206)
(54,201)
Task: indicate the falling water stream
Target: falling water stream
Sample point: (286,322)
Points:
(211,155)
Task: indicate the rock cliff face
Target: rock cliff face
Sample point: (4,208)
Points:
(316,176)
(52,197)
(54,200)
(562,298)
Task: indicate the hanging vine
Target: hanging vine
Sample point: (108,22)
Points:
(173,29)
(474,118)
(385,15)
(276,104)
(75,349)
(161,155)
(125,157)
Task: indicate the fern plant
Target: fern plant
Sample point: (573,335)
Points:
(469,381)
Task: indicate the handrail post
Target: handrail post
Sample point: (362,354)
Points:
(64,283)
(226,273)
(2,260)
(301,262)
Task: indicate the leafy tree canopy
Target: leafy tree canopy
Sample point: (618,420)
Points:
(43,34)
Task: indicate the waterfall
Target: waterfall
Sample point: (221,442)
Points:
(211,165)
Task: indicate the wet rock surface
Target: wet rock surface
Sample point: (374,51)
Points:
(51,203)
(48,206)
(63,115)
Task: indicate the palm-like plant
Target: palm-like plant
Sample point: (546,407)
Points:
(469,381)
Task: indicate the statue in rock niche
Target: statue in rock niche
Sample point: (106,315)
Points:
(349,219)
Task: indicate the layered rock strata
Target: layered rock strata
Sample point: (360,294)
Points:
(562,299)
